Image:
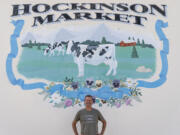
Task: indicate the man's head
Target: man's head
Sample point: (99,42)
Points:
(88,100)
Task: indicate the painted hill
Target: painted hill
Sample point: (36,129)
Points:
(63,35)
(29,36)
(103,31)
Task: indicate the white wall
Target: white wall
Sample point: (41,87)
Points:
(25,112)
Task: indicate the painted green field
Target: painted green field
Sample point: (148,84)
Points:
(33,64)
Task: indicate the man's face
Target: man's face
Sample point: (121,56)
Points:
(88,101)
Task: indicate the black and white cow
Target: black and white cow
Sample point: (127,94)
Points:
(93,55)
(51,49)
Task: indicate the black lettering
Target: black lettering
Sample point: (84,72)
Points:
(103,5)
(36,8)
(56,7)
(80,16)
(93,6)
(135,6)
(77,6)
(161,11)
(47,19)
(138,19)
(65,17)
(121,18)
(122,7)
(24,9)
(101,16)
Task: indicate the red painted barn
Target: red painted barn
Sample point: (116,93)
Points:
(123,44)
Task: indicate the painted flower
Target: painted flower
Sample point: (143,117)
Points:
(47,88)
(123,84)
(103,101)
(130,83)
(94,99)
(97,100)
(69,88)
(118,104)
(77,101)
(128,102)
(116,83)
(98,83)
(55,98)
(68,102)
(89,82)
(74,85)
(52,84)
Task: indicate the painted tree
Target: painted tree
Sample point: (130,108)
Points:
(143,43)
(134,53)
(39,46)
(30,44)
(103,41)
(138,41)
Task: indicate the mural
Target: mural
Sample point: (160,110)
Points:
(100,60)
(102,54)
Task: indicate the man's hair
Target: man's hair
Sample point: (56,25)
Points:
(88,96)
(93,98)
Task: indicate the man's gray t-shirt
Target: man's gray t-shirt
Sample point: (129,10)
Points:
(89,121)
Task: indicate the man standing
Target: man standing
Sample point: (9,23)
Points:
(89,119)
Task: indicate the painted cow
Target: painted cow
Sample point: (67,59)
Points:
(93,55)
(51,49)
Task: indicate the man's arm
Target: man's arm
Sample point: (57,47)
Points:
(74,127)
(101,118)
(104,127)
(76,119)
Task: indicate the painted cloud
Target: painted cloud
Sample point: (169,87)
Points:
(143,69)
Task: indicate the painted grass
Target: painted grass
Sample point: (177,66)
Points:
(33,64)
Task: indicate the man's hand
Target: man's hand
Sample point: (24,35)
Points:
(103,128)
(74,127)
